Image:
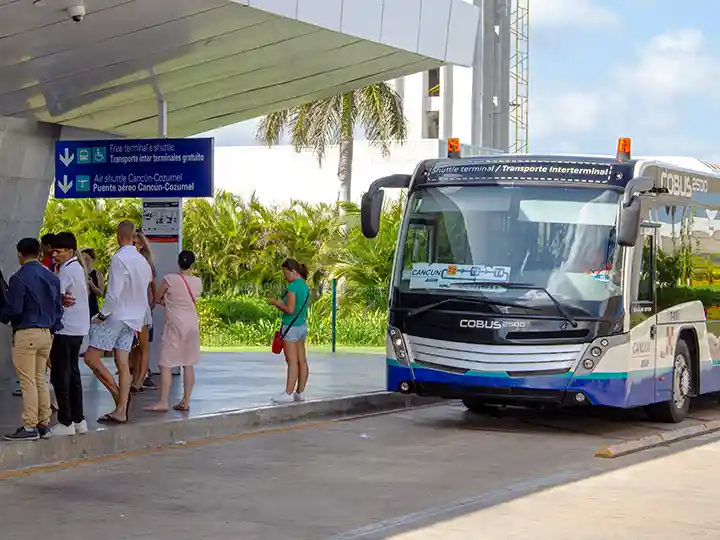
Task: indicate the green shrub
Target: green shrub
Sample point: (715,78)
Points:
(249,321)
(670,296)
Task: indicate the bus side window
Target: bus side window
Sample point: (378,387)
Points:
(646,290)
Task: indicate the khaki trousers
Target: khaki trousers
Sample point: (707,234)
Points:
(30,352)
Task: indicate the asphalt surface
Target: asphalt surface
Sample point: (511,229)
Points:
(432,473)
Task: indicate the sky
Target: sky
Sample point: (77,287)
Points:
(603,69)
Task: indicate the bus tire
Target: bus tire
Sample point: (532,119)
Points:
(477,406)
(675,410)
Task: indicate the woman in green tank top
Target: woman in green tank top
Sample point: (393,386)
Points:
(294,331)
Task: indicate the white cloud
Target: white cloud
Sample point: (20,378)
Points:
(642,96)
(672,65)
(571,13)
(567,113)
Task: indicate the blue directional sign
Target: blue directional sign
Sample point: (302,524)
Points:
(134,168)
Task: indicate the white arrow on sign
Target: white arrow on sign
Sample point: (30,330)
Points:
(65,185)
(67,158)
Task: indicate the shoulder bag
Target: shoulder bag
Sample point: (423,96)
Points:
(277,343)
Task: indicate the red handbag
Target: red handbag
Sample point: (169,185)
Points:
(277,343)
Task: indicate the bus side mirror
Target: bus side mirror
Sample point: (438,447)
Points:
(370,212)
(629,228)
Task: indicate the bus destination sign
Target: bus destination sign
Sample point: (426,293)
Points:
(499,170)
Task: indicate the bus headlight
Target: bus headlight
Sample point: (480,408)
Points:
(596,352)
(589,364)
(398,345)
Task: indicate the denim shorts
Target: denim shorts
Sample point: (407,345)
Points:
(296,333)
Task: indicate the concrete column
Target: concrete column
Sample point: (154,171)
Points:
(447,93)
(502,118)
(26,173)
(462,99)
(477,83)
(414,93)
(487,103)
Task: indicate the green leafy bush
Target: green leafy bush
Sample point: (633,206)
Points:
(670,296)
(249,321)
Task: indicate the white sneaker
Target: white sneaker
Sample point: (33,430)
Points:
(61,430)
(81,428)
(283,398)
(299,396)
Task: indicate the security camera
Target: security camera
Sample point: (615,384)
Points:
(77,13)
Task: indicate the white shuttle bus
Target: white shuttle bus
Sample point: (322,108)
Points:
(531,279)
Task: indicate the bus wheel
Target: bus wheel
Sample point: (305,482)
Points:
(676,409)
(478,406)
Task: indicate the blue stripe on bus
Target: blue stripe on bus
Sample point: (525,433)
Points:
(624,390)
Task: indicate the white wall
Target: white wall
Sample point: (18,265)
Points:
(279,174)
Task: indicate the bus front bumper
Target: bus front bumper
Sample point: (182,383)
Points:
(564,389)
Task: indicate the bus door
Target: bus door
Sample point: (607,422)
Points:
(643,319)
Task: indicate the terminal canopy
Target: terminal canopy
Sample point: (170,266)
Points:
(214,62)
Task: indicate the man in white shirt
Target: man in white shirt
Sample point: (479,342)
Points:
(65,352)
(121,316)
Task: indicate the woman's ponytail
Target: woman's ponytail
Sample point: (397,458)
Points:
(295,266)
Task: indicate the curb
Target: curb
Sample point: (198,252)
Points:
(652,441)
(144,436)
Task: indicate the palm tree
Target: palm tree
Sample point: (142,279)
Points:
(377,109)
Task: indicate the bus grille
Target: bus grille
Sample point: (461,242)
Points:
(517,360)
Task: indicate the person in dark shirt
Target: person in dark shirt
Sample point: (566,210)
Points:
(34,309)
(48,241)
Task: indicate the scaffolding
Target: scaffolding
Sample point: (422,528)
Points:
(519,75)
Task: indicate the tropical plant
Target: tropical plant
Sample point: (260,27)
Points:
(240,244)
(93,221)
(366,264)
(377,109)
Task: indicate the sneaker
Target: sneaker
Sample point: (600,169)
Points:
(81,427)
(283,398)
(61,430)
(149,384)
(44,431)
(23,434)
(299,396)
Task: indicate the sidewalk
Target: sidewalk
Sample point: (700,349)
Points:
(225,382)
(672,496)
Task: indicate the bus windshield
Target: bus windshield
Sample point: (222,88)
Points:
(470,240)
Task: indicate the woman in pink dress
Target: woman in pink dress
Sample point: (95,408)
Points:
(181,334)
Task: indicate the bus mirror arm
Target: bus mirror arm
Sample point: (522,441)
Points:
(636,185)
(372,201)
(629,226)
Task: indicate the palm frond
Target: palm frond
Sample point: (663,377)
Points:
(381,116)
(271,127)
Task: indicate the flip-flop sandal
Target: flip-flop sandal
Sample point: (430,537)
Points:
(107,419)
(135,390)
(180,407)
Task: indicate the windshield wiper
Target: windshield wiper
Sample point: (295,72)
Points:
(521,286)
(474,301)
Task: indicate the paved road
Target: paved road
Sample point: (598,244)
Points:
(433,473)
